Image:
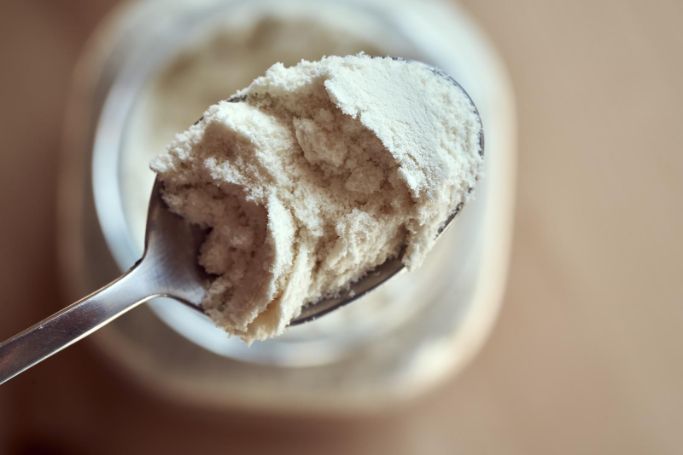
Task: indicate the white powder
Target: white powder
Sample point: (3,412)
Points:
(319,173)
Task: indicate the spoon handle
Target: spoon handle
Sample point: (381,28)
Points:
(69,325)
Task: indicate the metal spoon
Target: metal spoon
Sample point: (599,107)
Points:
(168,268)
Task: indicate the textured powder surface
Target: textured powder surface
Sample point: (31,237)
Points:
(315,174)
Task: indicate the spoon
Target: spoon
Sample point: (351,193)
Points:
(168,268)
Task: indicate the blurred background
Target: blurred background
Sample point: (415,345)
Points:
(586,355)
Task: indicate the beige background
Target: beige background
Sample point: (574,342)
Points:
(586,357)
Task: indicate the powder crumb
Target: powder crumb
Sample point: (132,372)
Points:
(314,175)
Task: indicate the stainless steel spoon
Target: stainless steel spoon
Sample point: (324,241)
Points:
(168,268)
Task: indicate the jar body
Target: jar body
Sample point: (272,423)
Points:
(395,344)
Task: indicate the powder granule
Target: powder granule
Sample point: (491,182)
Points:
(315,174)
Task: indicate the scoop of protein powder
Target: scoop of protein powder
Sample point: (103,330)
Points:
(315,174)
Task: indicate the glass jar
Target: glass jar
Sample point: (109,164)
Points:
(150,71)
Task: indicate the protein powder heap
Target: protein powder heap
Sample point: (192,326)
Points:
(314,175)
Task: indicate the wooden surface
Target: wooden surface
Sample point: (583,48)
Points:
(586,357)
